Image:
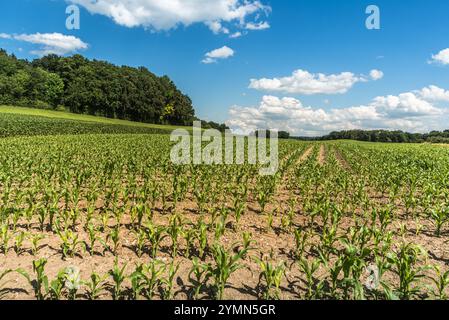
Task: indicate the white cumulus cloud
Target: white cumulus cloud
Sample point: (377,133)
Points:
(434,93)
(50,43)
(258,26)
(218,54)
(442,57)
(235,35)
(304,82)
(168,14)
(376,74)
(417,111)
(216,27)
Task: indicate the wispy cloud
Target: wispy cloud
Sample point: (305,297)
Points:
(50,43)
(258,26)
(304,82)
(218,54)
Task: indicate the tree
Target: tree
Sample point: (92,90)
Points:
(94,87)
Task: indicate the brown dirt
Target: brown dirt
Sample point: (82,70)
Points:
(322,155)
(342,161)
(305,155)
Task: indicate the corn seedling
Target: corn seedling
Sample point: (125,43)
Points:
(309,268)
(18,246)
(118,276)
(441,281)
(198,271)
(95,286)
(69,243)
(5,237)
(272,276)
(225,263)
(155,235)
(405,263)
(174,230)
(146,278)
(35,240)
(57,286)
(114,236)
(168,282)
(40,283)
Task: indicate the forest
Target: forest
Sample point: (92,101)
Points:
(389,136)
(84,86)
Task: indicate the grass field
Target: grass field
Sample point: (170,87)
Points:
(34,122)
(79,117)
(110,217)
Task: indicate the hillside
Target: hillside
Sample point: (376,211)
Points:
(17,121)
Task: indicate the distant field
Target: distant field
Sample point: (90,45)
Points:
(78,117)
(15,121)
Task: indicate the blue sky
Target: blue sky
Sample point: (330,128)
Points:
(326,37)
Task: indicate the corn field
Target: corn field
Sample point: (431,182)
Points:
(110,217)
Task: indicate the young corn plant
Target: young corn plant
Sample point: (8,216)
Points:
(169,281)
(301,240)
(439,216)
(138,214)
(18,246)
(114,236)
(309,268)
(137,282)
(69,243)
(15,219)
(198,270)
(42,215)
(263,197)
(239,210)
(118,276)
(95,286)
(272,276)
(202,228)
(146,278)
(155,235)
(141,239)
(174,230)
(441,282)
(40,283)
(92,232)
(405,266)
(224,264)
(5,237)
(35,240)
(189,235)
(57,285)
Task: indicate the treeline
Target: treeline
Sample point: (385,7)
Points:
(93,87)
(386,136)
(281,134)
